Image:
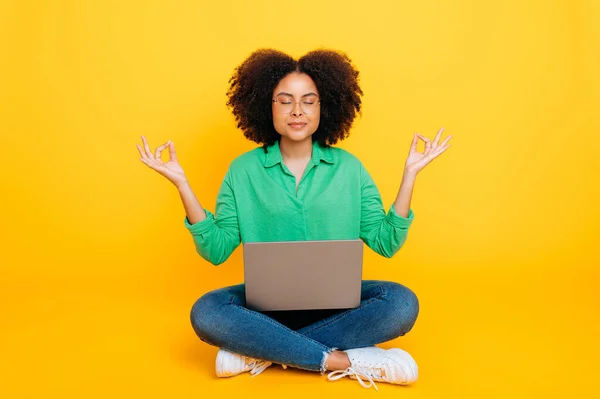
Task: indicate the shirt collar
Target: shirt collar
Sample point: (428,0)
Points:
(319,153)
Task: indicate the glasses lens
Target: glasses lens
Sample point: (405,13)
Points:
(285,104)
(309,104)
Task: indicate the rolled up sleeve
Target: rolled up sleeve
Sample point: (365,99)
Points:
(384,233)
(218,235)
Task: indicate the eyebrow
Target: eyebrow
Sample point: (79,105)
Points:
(291,95)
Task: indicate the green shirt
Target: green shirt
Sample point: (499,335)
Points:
(336,200)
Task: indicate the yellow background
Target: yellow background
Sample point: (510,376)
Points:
(99,274)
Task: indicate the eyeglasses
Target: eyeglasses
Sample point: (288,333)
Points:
(285,104)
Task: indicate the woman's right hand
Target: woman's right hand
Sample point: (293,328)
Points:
(172,170)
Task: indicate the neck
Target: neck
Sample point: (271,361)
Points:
(295,150)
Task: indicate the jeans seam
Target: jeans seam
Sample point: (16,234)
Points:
(383,290)
(258,314)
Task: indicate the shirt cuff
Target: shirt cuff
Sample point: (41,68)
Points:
(202,226)
(398,221)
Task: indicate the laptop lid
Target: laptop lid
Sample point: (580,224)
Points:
(294,275)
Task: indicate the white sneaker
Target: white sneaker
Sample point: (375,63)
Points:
(377,364)
(229,364)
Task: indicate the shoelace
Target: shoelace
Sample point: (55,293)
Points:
(357,373)
(262,365)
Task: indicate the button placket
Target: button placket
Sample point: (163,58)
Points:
(309,167)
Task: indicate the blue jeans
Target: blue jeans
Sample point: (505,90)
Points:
(303,338)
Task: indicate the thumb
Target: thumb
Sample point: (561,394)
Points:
(413,145)
(172,154)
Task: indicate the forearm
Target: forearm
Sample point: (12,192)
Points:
(402,203)
(193,210)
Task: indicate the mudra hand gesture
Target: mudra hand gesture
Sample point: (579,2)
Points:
(171,169)
(416,161)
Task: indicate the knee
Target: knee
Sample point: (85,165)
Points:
(403,307)
(204,313)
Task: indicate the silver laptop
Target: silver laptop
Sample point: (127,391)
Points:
(295,275)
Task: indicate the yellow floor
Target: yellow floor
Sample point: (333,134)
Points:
(493,335)
(98,274)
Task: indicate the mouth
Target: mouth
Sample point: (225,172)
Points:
(297,125)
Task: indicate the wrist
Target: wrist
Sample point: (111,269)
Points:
(409,174)
(183,185)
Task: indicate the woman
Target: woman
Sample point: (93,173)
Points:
(296,186)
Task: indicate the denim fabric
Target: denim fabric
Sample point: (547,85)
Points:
(303,338)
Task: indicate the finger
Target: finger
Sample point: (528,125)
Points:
(445,141)
(172,155)
(142,153)
(147,161)
(413,145)
(425,139)
(427,144)
(437,137)
(151,163)
(147,148)
(160,149)
(438,152)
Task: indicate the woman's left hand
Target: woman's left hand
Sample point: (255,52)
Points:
(416,161)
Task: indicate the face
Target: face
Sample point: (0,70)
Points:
(299,90)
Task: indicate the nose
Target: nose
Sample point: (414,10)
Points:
(297,110)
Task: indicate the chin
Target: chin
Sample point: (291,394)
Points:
(297,135)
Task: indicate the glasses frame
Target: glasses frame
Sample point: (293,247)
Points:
(294,105)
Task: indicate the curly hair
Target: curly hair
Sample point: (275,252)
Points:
(253,81)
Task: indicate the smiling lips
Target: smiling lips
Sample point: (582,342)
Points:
(297,125)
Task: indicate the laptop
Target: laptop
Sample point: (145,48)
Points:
(302,275)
